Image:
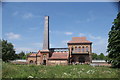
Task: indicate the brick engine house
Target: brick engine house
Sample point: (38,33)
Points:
(78,52)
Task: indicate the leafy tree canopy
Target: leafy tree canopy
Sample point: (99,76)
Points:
(114,42)
(8,52)
(98,57)
(21,55)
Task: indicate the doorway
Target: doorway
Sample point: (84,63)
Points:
(82,59)
(44,62)
(31,62)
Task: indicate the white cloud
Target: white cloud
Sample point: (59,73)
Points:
(101,41)
(94,37)
(15,13)
(28,15)
(81,34)
(100,45)
(91,16)
(78,21)
(12,35)
(68,33)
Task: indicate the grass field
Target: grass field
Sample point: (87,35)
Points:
(71,71)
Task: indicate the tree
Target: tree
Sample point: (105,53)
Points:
(94,56)
(114,42)
(98,57)
(27,54)
(21,55)
(8,52)
(0,49)
(101,56)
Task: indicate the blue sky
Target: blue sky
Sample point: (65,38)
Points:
(23,23)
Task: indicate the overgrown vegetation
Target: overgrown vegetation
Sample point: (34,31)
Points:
(71,71)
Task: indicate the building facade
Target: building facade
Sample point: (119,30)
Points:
(78,52)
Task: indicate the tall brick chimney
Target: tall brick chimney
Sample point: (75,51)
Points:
(46,34)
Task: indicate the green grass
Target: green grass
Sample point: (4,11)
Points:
(71,71)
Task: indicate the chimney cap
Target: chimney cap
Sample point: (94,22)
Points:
(46,16)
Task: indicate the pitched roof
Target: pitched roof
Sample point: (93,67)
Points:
(39,54)
(33,54)
(79,40)
(59,55)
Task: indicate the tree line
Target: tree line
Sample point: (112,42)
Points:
(100,56)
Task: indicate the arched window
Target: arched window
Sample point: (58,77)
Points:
(86,48)
(31,61)
(75,50)
(83,49)
(79,48)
